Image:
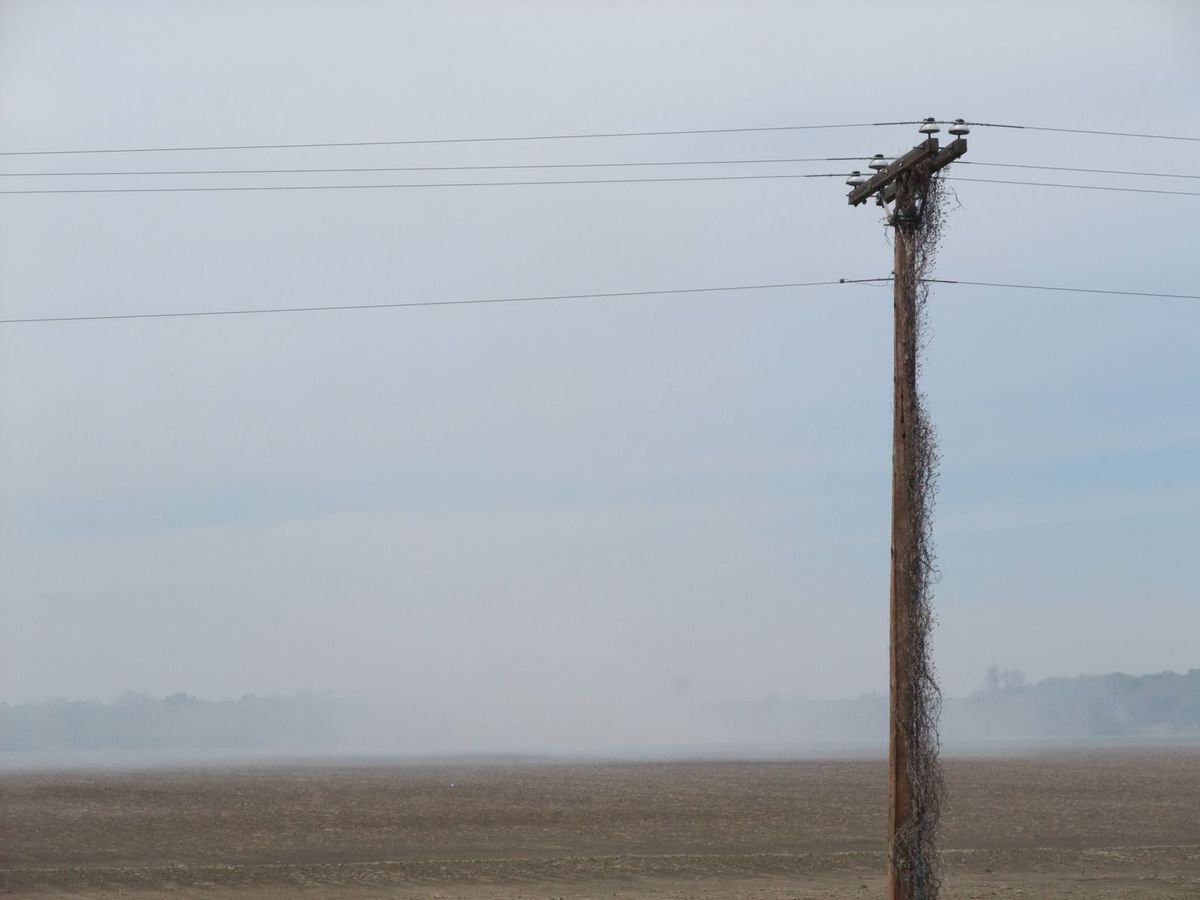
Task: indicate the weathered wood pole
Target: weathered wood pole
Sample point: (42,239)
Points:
(905,572)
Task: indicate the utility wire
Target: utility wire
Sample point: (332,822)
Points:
(413,303)
(594,165)
(870,282)
(1128,134)
(435,184)
(971,162)
(884,282)
(1066,290)
(475,140)
(600,165)
(1081,187)
(578,136)
(593,181)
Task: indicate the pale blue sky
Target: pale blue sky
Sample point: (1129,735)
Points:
(549,502)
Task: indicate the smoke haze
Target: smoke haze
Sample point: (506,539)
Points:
(586,525)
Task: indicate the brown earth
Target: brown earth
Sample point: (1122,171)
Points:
(1114,824)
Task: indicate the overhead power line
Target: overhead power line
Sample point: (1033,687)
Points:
(972,162)
(1064,290)
(1080,187)
(883,283)
(870,282)
(466,140)
(297,145)
(350,169)
(546,182)
(434,184)
(192,314)
(1091,131)
(536,166)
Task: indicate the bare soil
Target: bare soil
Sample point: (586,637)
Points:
(1113,824)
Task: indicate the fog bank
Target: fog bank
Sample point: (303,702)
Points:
(1084,708)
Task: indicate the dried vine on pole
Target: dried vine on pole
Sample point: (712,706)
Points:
(919,217)
(915,786)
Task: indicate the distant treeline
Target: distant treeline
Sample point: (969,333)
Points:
(1086,706)
(175,722)
(1006,708)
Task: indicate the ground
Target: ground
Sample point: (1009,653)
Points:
(1111,824)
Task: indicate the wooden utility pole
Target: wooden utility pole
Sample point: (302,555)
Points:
(904,183)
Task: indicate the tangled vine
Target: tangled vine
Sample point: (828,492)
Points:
(914,850)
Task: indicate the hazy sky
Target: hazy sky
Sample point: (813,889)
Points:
(587,503)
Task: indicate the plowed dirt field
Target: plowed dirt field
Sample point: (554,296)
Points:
(1112,824)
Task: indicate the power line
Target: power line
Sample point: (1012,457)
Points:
(1128,134)
(553,182)
(322,171)
(884,282)
(869,282)
(1081,187)
(589,165)
(1060,289)
(576,136)
(474,140)
(414,303)
(435,184)
(546,182)
(971,162)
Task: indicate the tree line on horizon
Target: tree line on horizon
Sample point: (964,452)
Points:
(1006,707)
(179,721)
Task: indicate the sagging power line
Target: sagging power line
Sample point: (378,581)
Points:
(973,162)
(537,166)
(1088,131)
(477,168)
(872,282)
(193,314)
(1078,187)
(460,140)
(234,188)
(772,176)
(572,136)
(1063,290)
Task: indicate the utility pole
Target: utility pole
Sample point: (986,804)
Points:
(905,184)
